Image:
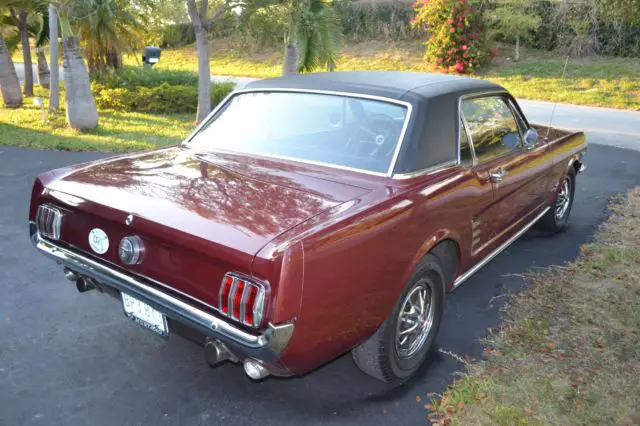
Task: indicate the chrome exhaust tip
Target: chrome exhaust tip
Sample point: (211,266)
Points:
(215,352)
(70,275)
(254,369)
(84,284)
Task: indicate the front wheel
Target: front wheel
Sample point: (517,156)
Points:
(401,344)
(558,215)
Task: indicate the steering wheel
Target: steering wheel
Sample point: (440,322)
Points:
(373,134)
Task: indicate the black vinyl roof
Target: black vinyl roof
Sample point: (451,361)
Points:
(390,84)
(432,133)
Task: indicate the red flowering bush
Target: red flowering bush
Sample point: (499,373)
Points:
(457,39)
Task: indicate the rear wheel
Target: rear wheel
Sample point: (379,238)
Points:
(557,217)
(401,344)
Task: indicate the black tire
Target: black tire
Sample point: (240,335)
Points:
(552,222)
(378,356)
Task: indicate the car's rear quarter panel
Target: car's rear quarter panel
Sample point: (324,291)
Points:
(358,257)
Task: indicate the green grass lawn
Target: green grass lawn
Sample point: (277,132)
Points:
(117,132)
(607,82)
(568,350)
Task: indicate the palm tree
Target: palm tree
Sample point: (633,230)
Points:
(108,28)
(9,83)
(28,17)
(82,113)
(54,81)
(41,38)
(19,18)
(312,36)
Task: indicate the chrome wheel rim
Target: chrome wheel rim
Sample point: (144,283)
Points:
(564,199)
(414,321)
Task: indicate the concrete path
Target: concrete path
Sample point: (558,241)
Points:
(607,126)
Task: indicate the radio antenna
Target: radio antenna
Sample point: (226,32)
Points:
(553,111)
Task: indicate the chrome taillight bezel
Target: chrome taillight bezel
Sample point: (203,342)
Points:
(227,299)
(49,221)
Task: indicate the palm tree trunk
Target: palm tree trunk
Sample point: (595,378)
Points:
(291,59)
(26,52)
(198,19)
(54,81)
(9,83)
(43,69)
(82,113)
(517,55)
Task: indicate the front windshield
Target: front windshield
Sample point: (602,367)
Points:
(336,130)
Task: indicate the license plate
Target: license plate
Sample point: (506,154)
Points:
(144,315)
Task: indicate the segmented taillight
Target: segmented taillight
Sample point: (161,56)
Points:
(49,221)
(242,300)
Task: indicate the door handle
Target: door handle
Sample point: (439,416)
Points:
(497,175)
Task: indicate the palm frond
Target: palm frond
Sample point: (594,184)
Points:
(318,33)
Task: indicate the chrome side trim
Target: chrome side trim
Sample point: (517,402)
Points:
(399,143)
(428,170)
(462,278)
(266,346)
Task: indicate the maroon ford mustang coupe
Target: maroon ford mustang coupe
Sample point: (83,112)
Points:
(312,215)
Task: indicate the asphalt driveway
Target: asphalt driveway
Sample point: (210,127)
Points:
(74,359)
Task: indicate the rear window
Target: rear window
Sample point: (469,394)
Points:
(335,130)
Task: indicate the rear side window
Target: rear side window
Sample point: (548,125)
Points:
(492,127)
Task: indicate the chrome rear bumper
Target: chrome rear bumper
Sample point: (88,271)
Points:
(265,346)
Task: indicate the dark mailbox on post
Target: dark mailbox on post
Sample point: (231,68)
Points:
(151,55)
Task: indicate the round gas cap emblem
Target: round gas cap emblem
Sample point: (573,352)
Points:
(131,250)
(98,241)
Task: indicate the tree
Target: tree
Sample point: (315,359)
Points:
(514,20)
(82,113)
(19,17)
(198,18)
(9,83)
(54,81)
(108,28)
(42,37)
(201,24)
(312,36)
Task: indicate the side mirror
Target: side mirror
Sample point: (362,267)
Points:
(530,138)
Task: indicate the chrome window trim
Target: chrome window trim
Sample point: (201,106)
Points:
(463,120)
(394,158)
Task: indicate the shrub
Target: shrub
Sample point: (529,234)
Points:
(145,76)
(152,91)
(457,36)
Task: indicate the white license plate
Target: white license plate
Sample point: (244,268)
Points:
(144,315)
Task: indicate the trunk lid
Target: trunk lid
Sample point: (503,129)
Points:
(200,215)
